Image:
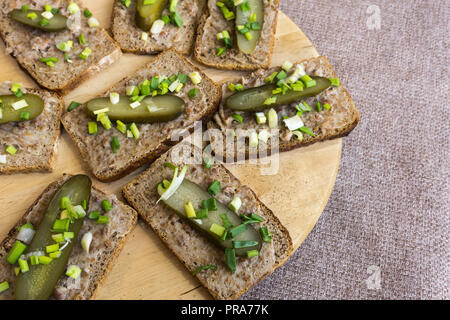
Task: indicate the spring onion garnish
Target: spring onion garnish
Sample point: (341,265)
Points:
(19,104)
(45,260)
(15,88)
(335,82)
(230,258)
(189,209)
(244,244)
(86,241)
(11,150)
(307,131)
(192,93)
(126,3)
(260,118)
(293,123)
(104,120)
(220,51)
(73,271)
(176,19)
(115,145)
(202,214)
(84,205)
(23,264)
(237,117)
(217,230)
(103,220)
(265,234)
(226,222)
(235,204)
(43,22)
(87,13)
(47,15)
(25,8)
(326,106)
(34,260)
(85,53)
(16,251)
(69,235)
(319,106)
(73,8)
(55,255)
(122,127)
(308,81)
(252,253)
(24,115)
(270,101)
(59,237)
(210,204)
(25,235)
(144,36)
(5,285)
(135,131)
(214,188)
(94,215)
(174,184)
(52,248)
(201,268)
(195,77)
(81,39)
(229,15)
(32,16)
(106,205)
(208,162)
(61,225)
(157,26)
(237,230)
(92,127)
(73,105)
(65,203)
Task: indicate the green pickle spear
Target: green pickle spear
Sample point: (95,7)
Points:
(39,282)
(253,99)
(147,14)
(190,191)
(151,109)
(57,23)
(9,114)
(247,45)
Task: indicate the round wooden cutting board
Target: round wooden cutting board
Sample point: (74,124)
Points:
(146,269)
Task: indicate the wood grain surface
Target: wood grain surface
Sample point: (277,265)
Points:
(146,269)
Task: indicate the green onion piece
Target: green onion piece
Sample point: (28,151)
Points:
(319,106)
(327,106)
(265,234)
(61,225)
(23,264)
(270,78)
(59,237)
(335,82)
(11,150)
(94,215)
(52,248)
(170,165)
(256,217)
(84,205)
(201,268)
(16,270)
(188,207)
(281,75)
(25,8)
(237,117)
(81,39)
(214,188)
(230,258)
(104,120)
(210,204)
(15,252)
(270,101)
(46,260)
(54,11)
(182,78)
(239,87)
(172,6)
(245,6)
(5,286)
(216,229)
(65,203)
(92,127)
(201,214)
(135,131)
(224,236)
(69,235)
(85,53)
(308,81)
(244,244)
(298,86)
(307,131)
(48,7)
(87,13)
(106,205)
(55,255)
(235,204)
(176,19)
(27,225)
(73,271)
(126,3)
(252,253)
(115,145)
(43,22)
(305,107)
(226,222)
(103,220)
(192,93)
(208,162)
(237,230)
(24,115)
(255,26)
(34,260)
(32,16)
(73,105)
(18,93)
(166,19)
(220,51)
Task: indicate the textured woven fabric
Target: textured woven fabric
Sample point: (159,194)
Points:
(385,231)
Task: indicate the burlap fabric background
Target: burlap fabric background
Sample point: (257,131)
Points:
(389,210)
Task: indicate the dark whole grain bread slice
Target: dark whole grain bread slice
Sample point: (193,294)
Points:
(128,34)
(106,245)
(156,138)
(337,122)
(36,140)
(28,45)
(192,248)
(212,22)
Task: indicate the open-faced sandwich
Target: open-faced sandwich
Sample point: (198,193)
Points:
(29,128)
(59,43)
(134,121)
(65,244)
(237,34)
(296,104)
(152,26)
(216,226)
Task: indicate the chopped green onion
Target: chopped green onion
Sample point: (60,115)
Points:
(210,204)
(25,8)
(32,16)
(237,117)
(182,78)
(265,234)
(195,77)
(235,204)
(106,205)
(81,39)
(202,214)
(85,53)
(297,86)
(122,127)
(252,253)
(103,220)
(272,117)
(69,235)
(173,5)
(214,188)
(11,150)
(104,120)
(115,145)
(23,264)
(87,13)
(229,15)
(59,237)
(245,6)
(192,93)
(73,105)
(65,203)
(237,230)
(73,271)
(271,100)
(135,131)
(307,131)
(226,222)
(73,8)
(176,19)
(43,22)
(52,248)
(92,127)
(230,258)
(335,82)
(260,118)
(327,106)
(27,225)
(34,260)
(308,81)
(256,217)
(46,260)
(126,3)
(94,215)
(16,270)
(166,19)
(270,78)
(319,106)
(15,252)
(220,51)
(55,255)
(189,209)
(24,115)
(244,244)
(208,162)
(201,268)
(217,230)
(5,285)
(61,225)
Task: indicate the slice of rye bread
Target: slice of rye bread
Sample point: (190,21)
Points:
(155,138)
(192,248)
(107,242)
(36,140)
(337,122)
(213,22)
(28,45)
(128,34)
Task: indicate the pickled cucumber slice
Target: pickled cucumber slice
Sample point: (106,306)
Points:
(253,99)
(35,107)
(39,282)
(242,17)
(190,191)
(147,14)
(151,109)
(57,23)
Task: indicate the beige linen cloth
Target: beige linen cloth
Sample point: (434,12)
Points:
(385,231)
